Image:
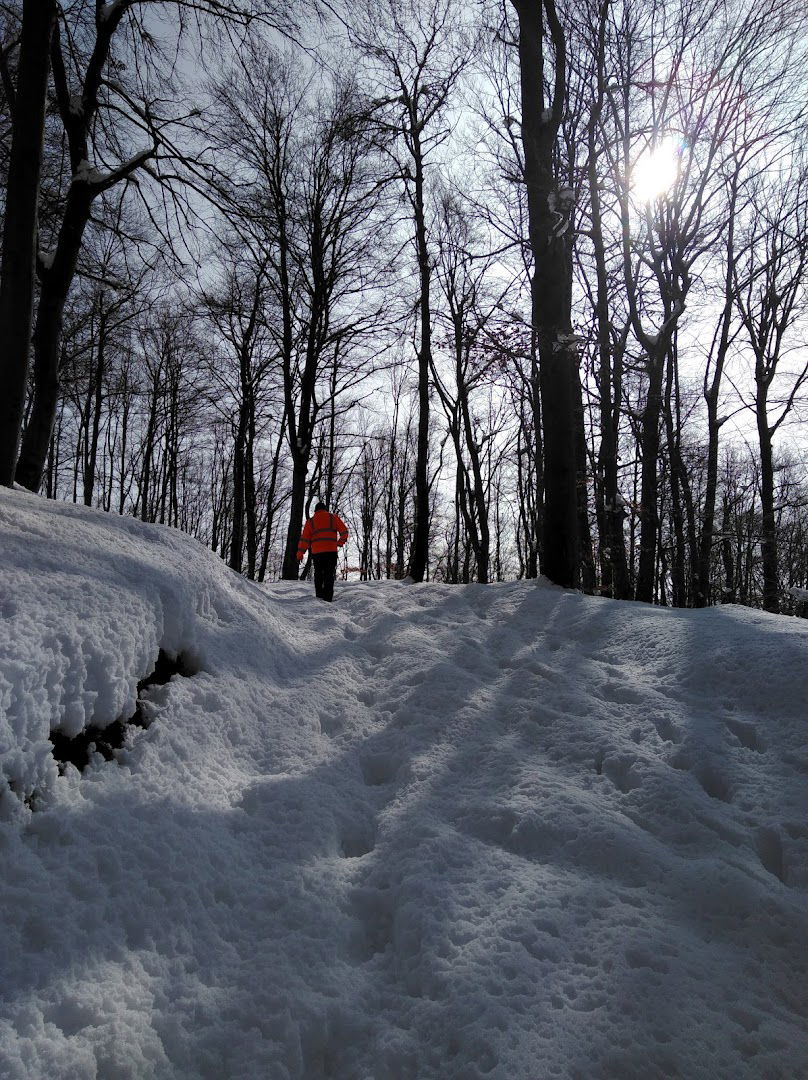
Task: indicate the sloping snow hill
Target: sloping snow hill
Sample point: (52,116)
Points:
(428,832)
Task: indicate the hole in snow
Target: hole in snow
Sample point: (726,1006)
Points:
(620,770)
(713,781)
(357,841)
(378,769)
(746,734)
(769,847)
(106,740)
(666,729)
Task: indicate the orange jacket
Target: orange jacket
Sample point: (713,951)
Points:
(323,531)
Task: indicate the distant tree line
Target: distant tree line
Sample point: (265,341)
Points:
(517,287)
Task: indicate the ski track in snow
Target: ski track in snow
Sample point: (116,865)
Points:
(425,832)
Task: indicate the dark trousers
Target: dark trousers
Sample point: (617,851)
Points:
(325,571)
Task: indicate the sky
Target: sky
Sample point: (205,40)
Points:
(452,832)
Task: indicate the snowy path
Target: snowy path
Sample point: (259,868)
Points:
(577,858)
(425,832)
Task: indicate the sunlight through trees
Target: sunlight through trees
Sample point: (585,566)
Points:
(518,289)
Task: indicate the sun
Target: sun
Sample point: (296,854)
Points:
(657,170)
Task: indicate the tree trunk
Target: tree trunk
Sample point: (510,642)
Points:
(609,503)
(479,529)
(586,559)
(56,282)
(20,226)
(419,555)
(676,481)
(271,507)
(768,531)
(125,413)
(237,537)
(702,583)
(549,210)
(250,502)
(729,592)
(649,485)
(296,508)
(148,451)
(91,456)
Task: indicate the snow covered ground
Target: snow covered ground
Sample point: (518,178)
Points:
(425,832)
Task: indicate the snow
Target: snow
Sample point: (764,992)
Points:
(499,831)
(109,10)
(87,174)
(565,340)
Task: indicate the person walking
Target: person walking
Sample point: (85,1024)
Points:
(323,534)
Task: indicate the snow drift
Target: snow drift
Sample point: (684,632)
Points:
(440,832)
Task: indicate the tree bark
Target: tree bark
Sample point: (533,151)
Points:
(20,226)
(97,388)
(649,484)
(609,502)
(420,541)
(549,210)
(237,537)
(768,530)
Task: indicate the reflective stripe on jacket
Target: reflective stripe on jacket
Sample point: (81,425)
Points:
(323,531)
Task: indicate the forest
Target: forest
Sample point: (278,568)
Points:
(516,287)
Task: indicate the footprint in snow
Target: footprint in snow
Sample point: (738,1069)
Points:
(666,729)
(374,911)
(358,839)
(620,693)
(769,847)
(331,723)
(620,770)
(379,769)
(746,734)
(712,780)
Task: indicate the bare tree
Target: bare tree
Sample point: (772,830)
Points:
(107,116)
(543,49)
(610,333)
(770,283)
(417,50)
(305,194)
(691,102)
(238,371)
(461,268)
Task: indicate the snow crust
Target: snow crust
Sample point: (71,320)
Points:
(440,832)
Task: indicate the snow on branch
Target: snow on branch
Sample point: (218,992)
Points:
(101,181)
(105,12)
(565,340)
